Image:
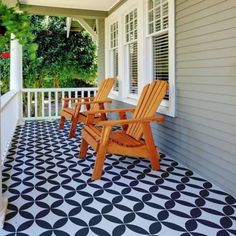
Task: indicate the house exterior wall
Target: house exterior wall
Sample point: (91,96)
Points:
(203,133)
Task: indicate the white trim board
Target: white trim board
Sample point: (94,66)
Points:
(145,60)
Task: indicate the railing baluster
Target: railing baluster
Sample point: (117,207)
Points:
(56,103)
(82,96)
(76,95)
(28,104)
(35,104)
(69,95)
(49,104)
(53,110)
(43,105)
(63,95)
(22,106)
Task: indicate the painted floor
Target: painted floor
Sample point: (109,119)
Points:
(50,192)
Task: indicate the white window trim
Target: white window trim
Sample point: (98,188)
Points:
(127,92)
(111,55)
(166,107)
(172,59)
(111,68)
(144,58)
(126,88)
(119,15)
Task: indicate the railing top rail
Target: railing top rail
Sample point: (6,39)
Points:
(6,98)
(58,89)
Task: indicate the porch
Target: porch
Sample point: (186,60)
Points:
(50,192)
(49,189)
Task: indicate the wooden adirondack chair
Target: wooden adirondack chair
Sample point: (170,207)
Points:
(135,139)
(92,103)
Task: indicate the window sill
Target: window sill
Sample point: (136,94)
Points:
(163,108)
(131,100)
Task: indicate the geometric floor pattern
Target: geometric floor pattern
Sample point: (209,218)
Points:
(50,192)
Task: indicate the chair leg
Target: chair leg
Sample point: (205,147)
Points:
(73,127)
(98,167)
(83,149)
(155,159)
(150,145)
(62,122)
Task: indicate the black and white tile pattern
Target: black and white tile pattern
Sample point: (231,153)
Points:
(50,192)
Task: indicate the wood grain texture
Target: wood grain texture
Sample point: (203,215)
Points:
(135,139)
(92,103)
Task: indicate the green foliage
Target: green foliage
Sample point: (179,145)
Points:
(4,73)
(15,22)
(61,61)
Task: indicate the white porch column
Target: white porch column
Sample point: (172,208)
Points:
(16,74)
(16,66)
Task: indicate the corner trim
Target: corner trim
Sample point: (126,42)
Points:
(116,6)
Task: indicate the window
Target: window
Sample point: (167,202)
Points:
(131,37)
(114,53)
(157,15)
(162,45)
(161,58)
(140,40)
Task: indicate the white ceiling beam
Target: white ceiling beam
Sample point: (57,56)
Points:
(57,11)
(100,5)
(87,27)
(68,26)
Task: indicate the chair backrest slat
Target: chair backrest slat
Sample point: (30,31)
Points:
(103,92)
(148,103)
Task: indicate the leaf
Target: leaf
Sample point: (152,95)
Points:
(33,47)
(32,56)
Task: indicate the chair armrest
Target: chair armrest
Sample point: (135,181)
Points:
(110,111)
(158,119)
(94,102)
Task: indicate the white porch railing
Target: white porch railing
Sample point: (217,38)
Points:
(47,103)
(9,116)
(33,104)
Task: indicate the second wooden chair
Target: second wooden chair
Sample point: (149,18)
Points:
(92,103)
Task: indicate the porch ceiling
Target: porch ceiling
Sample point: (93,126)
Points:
(101,5)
